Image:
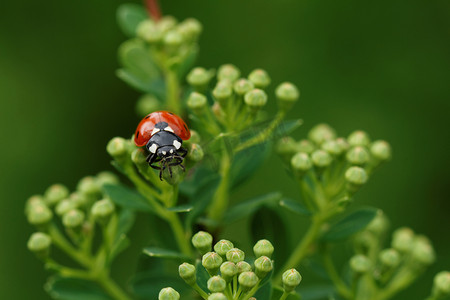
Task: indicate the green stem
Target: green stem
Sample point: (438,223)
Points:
(401,280)
(284,296)
(340,285)
(199,290)
(173,91)
(180,235)
(112,288)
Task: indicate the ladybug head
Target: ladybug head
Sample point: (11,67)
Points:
(166,152)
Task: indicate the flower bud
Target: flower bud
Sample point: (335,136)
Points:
(73,218)
(379,224)
(332,147)
(305,146)
(212,261)
(235,255)
(243,86)
(355,177)
(173,175)
(422,251)
(217,296)
(187,273)
(147,104)
(202,241)
(168,294)
(441,284)
(358,156)
(263,248)
(403,239)
(381,150)
(260,78)
(145,30)
(222,247)
(248,280)
(321,159)
(32,201)
(190,29)
(89,186)
(172,39)
(167,23)
(199,77)
(360,264)
(79,199)
(39,243)
(286,146)
(139,157)
(243,266)
(216,284)
(64,206)
(197,103)
(255,99)
(105,178)
(287,94)
(55,193)
(102,209)
(389,258)
(291,279)
(359,138)
(228,72)
(228,270)
(321,133)
(195,137)
(117,147)
(342,144)
(263,265)
(196,153)
(223,91)
(301,162)
(39,214)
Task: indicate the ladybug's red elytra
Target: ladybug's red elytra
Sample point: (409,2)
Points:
(162,133)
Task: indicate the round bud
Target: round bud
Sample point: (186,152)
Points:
(147,104)
(243,266)
(117,147)
(199,77)
(223,91)
(32,201)
(342,144)
(39,242)
(235,255)
(216,284)
(197,103)
(321,133)
(360,264)
(217,296)
(107,178)
(301,162)
(190,29)
(358,156)
(173,39)
(287,94)
(381,150)
(195,137)
(167,23)
(202,241)
(242,86)
(255,99)
(441,284)
(102,209)
(291,279)
(55,193)
(228,72)
(356,176)
(73,218)
(187,273)
(379,224)
(228,270)
(263,265)
(89,186)
(332,147)
(196,153)
(359,138)
(260,78)
(263,248)
(64,206)
(212,261)
(321,159)
(223,246)
(305,146)
(139,157)
(248,280)
(403,239)
(79,199)
(146,31)
(389,258)
(422,251)
(168,294)
(286,146)
(39,214)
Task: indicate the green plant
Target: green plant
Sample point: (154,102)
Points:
(232,136)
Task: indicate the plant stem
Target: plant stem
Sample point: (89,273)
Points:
(173,91)
(180,235)
(112,288)
(153,9)
(340,285)
(199,290)
(284,296)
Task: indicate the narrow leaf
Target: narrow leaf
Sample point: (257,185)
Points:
(135,57)
(155,87)
(127,198)
(295,207)
(129,16)
(202,276)
(182,208)
(74,289)
(163,253)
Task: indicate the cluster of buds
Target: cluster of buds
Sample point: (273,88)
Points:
(230,275)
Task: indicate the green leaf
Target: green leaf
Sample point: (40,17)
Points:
(318,292)
(202,276)
(265,291)
(182,208)
(295,207)
(136,59)
(248,207)
(164,253)
(129,16)
(119,245)
(74,289)
(125,222)
(155,87)
(127,198)
(287,127)
(188,63)
(148,284)
(350,224)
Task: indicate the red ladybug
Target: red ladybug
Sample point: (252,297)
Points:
(162,133)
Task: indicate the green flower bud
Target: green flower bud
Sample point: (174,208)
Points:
(263,265)
(199,77)
(216,284)
(321,133)
(39,243)
(212,261)
(197,103)
(286,146)
(381,150)
(305,146)
(379,224)
(217,296)
(291,279)
(64,206)
(117,147)
(359,138)
(139,157)
(106,178)
(255,99)
(243,86)
(287,94)
(223,91)
(321,159)
(168,294)
(248,280)
(441,284)
(73,218)
(55,193)
(235,255)
(263,248)
(222,247)
(358,156)
(173,39)
(32,201)
(356,177)
(102,209)
(146,31)
(202,241)
(39,214)
(360,264)
(342,144)
(195,137)
(332,147)
(174,175)
(301,162)
(260,78)
(389,258)
(243,266)
(403,239)
(187,273)
(228,72)
(196,153)
(79,199)
(228,270)
(422,251)
(167,23)
(89,186)
(190,29)
(147,104)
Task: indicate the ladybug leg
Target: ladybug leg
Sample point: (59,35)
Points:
(183,152)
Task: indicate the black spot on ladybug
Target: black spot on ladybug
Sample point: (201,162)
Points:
(185,127)
(147,117)
(137,134)
(170,113)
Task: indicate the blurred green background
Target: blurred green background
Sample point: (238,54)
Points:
(383,67)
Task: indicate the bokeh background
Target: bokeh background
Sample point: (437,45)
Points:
(380,66)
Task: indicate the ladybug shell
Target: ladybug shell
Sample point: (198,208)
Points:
(146,126)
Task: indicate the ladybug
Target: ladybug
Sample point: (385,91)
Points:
(162,133)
